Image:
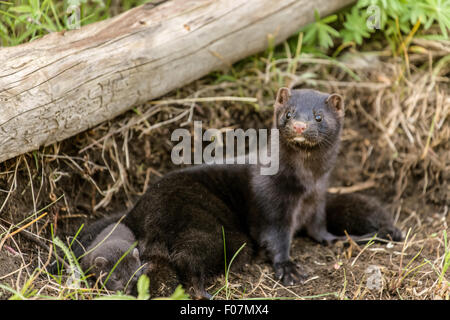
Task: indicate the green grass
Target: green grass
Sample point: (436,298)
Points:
(73,281)
(226,286)
(26,20)
(445,261)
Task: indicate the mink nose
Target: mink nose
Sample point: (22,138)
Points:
(299,126)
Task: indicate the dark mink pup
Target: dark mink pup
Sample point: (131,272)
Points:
(359,215)
(90,231)
(179,220)
(105,251)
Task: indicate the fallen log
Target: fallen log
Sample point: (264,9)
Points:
(70,81)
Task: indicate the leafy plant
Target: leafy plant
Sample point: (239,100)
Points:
(388,9)
(178,294)
(143,286)
(429,12)
(319,32)
(409,12)
(25,20)
(355,26)
(393,19)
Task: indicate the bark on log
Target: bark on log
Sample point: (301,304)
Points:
(67,82)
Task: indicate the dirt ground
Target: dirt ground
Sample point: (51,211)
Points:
(105,169)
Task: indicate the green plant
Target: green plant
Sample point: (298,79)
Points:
(227,266)
(25,292)
(393,19)
(431,11)
(77,275)
(408,12)
(355,27)
(446,263)
(143,286)
(25,20)
(178,294)
(319,32)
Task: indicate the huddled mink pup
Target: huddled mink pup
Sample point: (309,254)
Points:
(105,251)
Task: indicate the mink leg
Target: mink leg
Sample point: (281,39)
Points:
(278,242)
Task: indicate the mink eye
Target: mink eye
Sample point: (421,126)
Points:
(318,118)
(288,115)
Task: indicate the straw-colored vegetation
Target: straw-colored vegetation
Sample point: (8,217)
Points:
(395,146)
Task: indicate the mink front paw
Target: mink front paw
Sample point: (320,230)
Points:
(289,273)
(390,233)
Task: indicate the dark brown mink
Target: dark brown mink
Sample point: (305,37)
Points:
(359,215)
(187,218)
(179,220)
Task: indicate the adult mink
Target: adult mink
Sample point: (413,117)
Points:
(179,220)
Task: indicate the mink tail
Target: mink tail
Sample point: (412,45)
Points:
(360,216)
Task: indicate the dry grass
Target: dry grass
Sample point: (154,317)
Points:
(396,143)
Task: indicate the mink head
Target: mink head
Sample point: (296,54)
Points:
(308,119)
(126,272)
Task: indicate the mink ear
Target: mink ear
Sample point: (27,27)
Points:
(100,262)
(283,96)
(336,101)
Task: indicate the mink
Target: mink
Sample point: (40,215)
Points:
(104,252)
(193,220)
(179,219)
(188,221)
(359,215)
